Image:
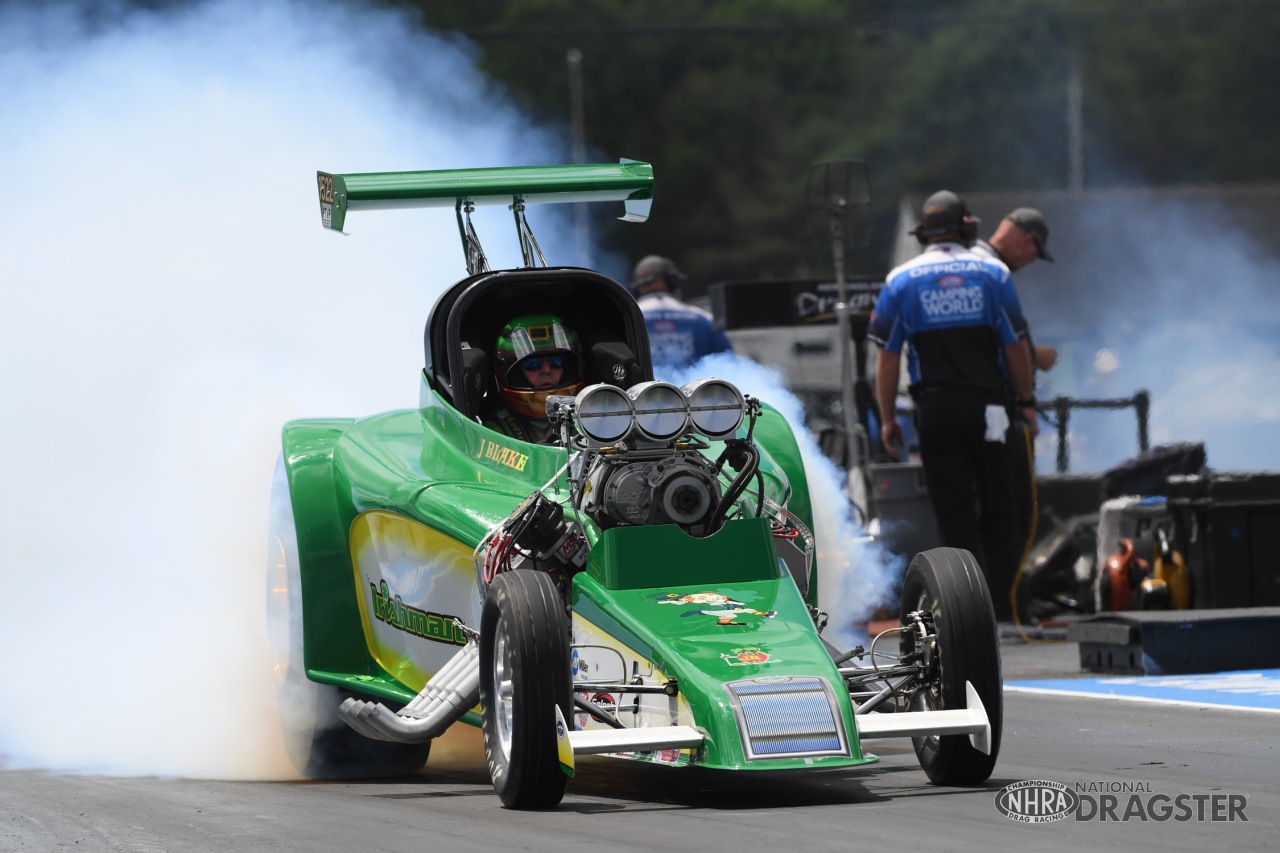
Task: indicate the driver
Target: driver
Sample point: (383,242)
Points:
(537,356)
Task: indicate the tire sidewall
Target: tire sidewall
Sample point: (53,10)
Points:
(524,607)
(968,651)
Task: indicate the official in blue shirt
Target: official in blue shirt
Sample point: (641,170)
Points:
(959,310)
(679,334)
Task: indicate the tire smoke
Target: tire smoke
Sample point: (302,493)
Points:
(171,301)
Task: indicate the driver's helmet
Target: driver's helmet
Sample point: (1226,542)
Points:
(531,352)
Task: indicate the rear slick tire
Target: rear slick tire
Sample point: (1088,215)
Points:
(947,583)
(318,743)
(524,677)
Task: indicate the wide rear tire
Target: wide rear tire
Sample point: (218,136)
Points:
(318,743)
(947,583)
(524,677)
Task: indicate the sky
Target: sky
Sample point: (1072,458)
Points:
(171,300)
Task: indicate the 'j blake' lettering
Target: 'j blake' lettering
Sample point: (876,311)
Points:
(502,455)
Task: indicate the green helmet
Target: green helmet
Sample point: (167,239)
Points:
(537,356)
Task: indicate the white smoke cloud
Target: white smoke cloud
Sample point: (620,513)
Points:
(1167,291)
(170,301)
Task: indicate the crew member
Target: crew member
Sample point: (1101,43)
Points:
(1023,236)
(679,333)
(957,310)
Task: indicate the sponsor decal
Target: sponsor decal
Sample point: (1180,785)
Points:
(1042,801)
(725,607)
(811,306)
(619,372)
(954,302)
(604,701)
(326,199)
(666,756)
(421,623)
(495,452)
(564,750)
(748,656)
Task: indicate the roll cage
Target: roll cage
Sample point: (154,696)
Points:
(466,320)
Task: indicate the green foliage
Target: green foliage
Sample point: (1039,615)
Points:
(733,101)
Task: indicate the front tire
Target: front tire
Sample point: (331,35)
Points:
(318,743)
(947,585)
(524,676)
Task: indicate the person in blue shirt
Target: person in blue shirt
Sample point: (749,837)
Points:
(679,333)
(958,310)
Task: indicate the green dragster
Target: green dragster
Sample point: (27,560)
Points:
(642,584)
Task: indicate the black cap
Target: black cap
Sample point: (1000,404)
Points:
(1032,221)
(653,267)
(943,211)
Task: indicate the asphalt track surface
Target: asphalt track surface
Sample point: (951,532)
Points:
(615,805)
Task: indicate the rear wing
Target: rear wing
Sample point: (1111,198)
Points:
(628,181)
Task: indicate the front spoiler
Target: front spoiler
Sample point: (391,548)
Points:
(600,741)
(971,720)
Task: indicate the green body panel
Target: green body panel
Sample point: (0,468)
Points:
(687,642)
(322,516)
(435,469)
(664,555)
(774,432)
(628,181)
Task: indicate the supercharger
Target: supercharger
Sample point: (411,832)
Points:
(651,487)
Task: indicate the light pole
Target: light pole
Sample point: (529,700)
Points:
(577,128)
(838,198)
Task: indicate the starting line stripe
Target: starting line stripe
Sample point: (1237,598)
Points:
(1234,691)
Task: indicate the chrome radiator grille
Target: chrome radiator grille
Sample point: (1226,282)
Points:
(788,717)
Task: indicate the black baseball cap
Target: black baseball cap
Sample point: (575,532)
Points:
(943,209)
(653,267)
(1032,221)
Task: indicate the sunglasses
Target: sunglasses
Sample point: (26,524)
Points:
(532,365)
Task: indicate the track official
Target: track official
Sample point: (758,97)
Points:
(958,310)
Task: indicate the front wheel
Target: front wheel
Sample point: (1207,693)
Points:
(947,586)
(524,677)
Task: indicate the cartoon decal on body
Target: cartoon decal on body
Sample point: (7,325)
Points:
(725,607)
(748,656)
